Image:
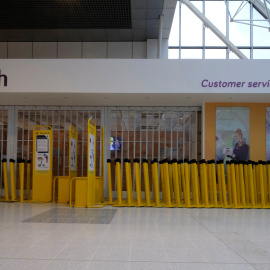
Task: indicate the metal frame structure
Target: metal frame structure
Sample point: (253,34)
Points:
(254,4)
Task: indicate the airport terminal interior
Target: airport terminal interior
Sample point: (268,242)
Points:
(135,134)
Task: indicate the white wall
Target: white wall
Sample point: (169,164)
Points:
(74,50)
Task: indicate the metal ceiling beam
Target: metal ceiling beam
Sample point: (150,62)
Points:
(261,8)
(214,29)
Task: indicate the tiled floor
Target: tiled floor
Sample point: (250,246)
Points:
(56,237)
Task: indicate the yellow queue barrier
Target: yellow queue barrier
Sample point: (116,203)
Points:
(148,200)
(130,201)
(176,185)
(21,176)
(12,180)
(5,177)
(204,184)
(136,163)
(109,170)
(28,180)
(156,183)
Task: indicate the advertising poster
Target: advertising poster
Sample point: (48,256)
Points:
(268,133)
(232,133)
(91,166)
(42,162)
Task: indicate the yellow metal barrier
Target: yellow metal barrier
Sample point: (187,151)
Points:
(175,177)
(129,183)
(246,183)
(233,182)
(155,182)
(162,180)
(167,184)
(170,179)
(5,177)
(229,182)
(187,183)
(138,182)
(223,186)
(12,180)
(195,183)
(204,185)
(21,174)
(242,185)
(180,181)
(147,183)
(118,183)
(109,170)
(251,185)
(28,180)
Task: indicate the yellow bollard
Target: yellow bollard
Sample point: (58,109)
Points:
(155,182)
(146,182)
(242,184)
(5,176)
(268,177)
(236,168)
(180,181)
(167,184)
(246,182)
(109,170)
(170,179)
(187,183)
(21,174)
(214,182)
(204,183)
(255,181)
(257,177)
(118,181)
(195,186)
(220,195)
(183,181)
(262,193)
(28,180)
(138,182)
(162,181)
(251,185)
(176,183)
(12,180)
(265,182)
(223,186)
(234,192)
(210,182)
(229,182)
(129,183)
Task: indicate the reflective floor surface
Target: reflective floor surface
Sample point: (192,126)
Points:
(56,237)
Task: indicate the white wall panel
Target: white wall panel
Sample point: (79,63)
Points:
(139,50)
(94,50)
(20,50)
(69,50)
(152,49)
(120,50)
(3,50)
(42,50)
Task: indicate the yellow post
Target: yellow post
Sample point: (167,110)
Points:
(146,182)
(246,182)
(138,182)
(118,181)
(204,182)
(183,178)
(180,180)
(268,177)
(251,185)
(242,184)
(257,173)
(210,181)
(261,183)
(223,185)
(28,180)
(214,182)
(255,182)
(12,180)
(195,187)
(229,182)
(109,180)
(237,180)
(170,179)
(176,183)
(265,182)
(162,180)
(21,173)
(167,184)
(5,176)
(220,195)
(234,192)
(155,182)
(187,183)
(129,182)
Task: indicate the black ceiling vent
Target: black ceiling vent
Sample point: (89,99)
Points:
(65,14)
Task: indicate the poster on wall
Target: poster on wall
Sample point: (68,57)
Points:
(232,133)
(42,156)
(72,154)
(91,166)
(268,133)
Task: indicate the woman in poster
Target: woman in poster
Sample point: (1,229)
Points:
(240,151)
